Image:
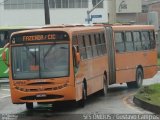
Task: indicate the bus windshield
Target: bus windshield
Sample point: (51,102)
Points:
(40,61)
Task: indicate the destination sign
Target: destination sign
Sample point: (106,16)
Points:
(39,37)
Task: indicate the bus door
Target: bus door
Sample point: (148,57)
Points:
(111,55)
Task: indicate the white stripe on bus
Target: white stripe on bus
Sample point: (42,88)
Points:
(6,70)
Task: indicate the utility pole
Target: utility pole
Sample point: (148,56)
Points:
(89,11)
(46,12)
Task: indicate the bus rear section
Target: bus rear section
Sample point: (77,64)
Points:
(135,54)
(41,67)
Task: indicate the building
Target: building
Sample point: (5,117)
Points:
(154,7)
(31,12)
(150,6)
(128,10)
(146,3)
(137,11)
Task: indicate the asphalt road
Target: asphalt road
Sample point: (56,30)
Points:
(118,101)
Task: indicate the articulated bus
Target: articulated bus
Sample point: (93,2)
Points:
(51,65)
(5,32)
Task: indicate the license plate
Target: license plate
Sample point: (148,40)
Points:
(41,95)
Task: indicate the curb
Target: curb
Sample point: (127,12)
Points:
(147,106)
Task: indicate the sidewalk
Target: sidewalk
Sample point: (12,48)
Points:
(154,80)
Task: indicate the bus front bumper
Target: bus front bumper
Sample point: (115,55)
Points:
(65,94)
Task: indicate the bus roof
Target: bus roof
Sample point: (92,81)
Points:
(65,29)
(70,29)
(132,27)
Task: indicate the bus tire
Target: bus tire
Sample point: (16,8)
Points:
(104,91)
(29,106)
(84,97)
(139,78)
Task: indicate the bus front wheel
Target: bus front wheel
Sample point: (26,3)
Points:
(29,106)
(84,97)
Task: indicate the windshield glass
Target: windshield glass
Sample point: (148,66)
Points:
(40,61)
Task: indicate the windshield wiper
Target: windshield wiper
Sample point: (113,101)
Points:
(50,48)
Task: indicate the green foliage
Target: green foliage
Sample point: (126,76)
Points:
(150,94)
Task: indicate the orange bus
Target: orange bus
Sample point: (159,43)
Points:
(57,64)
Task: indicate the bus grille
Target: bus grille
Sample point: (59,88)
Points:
(41,89)
(42,98)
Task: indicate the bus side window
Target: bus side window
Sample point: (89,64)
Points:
(119,41)
(94,47)
(88,46)
(82,45)
(74,40)
(98,43)
(137,41)
(152,39)
(129,42)
(104,50)
(145,40)
(91,44)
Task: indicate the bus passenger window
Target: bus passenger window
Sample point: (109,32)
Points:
(98,44)
(94,47)
(137,41)
(82,46)
(104,50)
(152,40)
(129,42)
(119,41)
(145,40)
(88,46)
(74,40)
